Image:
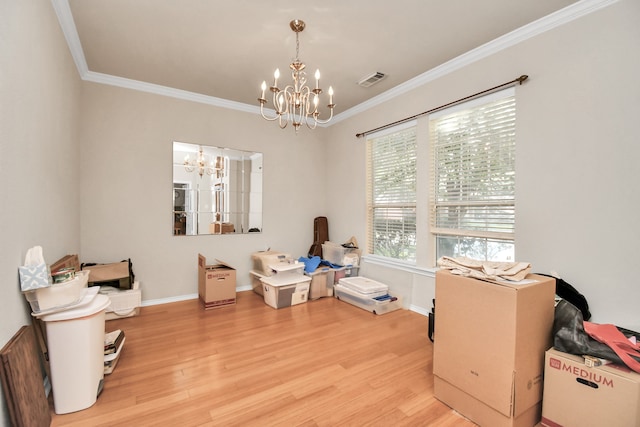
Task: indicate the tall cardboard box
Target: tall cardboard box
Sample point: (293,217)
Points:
(489,347)
(216,283)
(576,395)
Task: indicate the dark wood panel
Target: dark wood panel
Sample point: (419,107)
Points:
(22,381)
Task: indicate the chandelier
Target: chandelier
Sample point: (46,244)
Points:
(296,103)
(202,166)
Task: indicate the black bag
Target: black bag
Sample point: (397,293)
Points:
(118,274)
(432,320)
(571,294)
(570,337)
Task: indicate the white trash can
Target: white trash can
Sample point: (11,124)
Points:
(75,342)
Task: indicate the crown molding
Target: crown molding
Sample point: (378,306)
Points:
(549,22)
(108,79)
(556,19)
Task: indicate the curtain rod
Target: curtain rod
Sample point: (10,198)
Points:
(520,80)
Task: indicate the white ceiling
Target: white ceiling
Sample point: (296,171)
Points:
(219,52)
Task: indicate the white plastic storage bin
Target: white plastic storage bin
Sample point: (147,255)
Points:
(333,253)
(319,286)
(123,302)
(75,344)
(366,287)
(58,295)
(337,273)
(279,292)
(376,305)
(283,269)
(351,271)
(256,281)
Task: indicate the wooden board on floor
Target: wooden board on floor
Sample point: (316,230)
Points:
(22,381)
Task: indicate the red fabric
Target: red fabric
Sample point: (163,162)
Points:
(610,335)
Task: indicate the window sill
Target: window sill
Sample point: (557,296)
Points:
(400,265)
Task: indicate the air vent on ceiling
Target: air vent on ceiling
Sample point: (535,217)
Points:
(371,79)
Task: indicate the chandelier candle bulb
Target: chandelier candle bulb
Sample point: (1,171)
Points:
(276,75)
(317,79)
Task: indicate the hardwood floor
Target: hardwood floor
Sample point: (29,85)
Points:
(322,363)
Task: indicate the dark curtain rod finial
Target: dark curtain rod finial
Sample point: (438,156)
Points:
(519,80)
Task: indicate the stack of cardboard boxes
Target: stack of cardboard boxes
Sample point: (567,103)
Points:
(493,360)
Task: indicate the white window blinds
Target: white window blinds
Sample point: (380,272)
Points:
(391,194)
(473,174)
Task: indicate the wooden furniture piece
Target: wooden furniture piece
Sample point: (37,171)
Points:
(22,381)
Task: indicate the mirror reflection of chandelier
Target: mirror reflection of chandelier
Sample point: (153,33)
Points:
(201,164)
(296,102)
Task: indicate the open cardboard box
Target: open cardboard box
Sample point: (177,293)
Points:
(216,283)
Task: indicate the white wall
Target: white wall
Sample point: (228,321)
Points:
(39,108)
(577,153)
(126,189)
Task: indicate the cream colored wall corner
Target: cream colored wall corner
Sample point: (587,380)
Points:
(39,156)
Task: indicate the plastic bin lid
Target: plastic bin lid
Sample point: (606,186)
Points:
(285,266)
(97,304)
(363,284)
(285,280)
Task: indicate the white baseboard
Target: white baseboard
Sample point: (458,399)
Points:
(414,308)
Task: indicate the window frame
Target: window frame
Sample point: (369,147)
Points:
(499,210)
(399,202)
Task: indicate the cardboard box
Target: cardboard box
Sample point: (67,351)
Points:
(68,261)
(489,347)
(221,228)
(576,395)
(216,283)
(285,291)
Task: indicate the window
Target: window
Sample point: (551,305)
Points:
(472,191)
(391,193)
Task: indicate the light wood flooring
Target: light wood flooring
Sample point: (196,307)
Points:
(322,363)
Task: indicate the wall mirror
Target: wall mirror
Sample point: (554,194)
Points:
(216,190)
